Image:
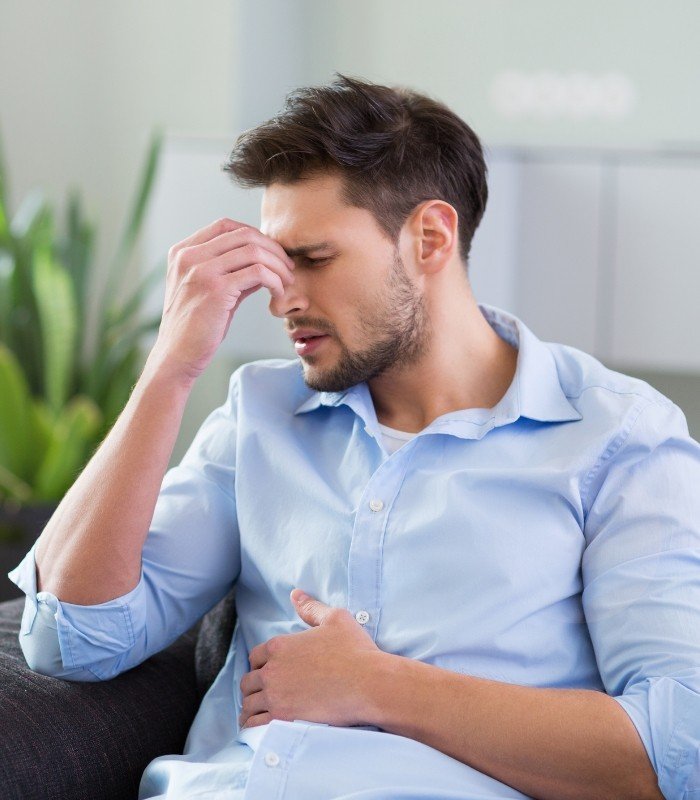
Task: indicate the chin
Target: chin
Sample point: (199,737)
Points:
(317,379)
(312,373)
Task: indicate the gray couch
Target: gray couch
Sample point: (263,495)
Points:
(88,741)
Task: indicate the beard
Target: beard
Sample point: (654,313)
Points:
(398,325)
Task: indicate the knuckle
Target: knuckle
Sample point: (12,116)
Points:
(258,270)
(264,673)
(198,279)
(191,275)
(182,259)
(253,250)
(272,702)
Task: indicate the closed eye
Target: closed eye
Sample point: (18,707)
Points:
(316,261)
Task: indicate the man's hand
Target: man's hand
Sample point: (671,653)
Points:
(319,675)
(209,275)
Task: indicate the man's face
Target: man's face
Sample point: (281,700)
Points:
(355,289)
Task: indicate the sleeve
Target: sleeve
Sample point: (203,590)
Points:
(190,560)
(641,596)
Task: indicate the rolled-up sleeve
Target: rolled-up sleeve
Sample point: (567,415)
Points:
(641,577)
(190,560)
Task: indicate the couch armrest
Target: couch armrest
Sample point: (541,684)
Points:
(88,740)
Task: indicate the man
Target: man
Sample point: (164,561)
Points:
(499,537)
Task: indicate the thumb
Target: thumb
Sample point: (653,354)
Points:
(312,611)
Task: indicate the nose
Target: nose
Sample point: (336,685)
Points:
(294,299)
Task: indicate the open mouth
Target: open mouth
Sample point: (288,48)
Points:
(308,344)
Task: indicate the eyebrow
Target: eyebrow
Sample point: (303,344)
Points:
(309,248)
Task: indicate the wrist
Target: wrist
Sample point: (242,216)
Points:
(386,677)
(159,370)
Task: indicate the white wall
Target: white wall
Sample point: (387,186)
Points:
(84,83)
(560,52)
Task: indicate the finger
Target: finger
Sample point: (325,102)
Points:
(234,261)
(253,277)
(245,235)
(258,655)
(258,719)
(235,258)
(251,682)
(219,226)
(234,250)
(253,704)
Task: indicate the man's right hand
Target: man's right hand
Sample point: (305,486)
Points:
(209,274)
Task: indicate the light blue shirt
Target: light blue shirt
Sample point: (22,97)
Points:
(550,541)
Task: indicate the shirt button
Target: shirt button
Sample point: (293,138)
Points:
(362,617)
(376,505)
(272,759)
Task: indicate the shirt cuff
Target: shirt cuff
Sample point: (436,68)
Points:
(87,634)
(41,649)
(666,714)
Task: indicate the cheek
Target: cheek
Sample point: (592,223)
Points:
(341,303)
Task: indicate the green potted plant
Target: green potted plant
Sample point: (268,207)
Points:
(61,389)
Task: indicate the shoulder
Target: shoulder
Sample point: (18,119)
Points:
(270,384)
(627,417)
(593,388)
(631,429)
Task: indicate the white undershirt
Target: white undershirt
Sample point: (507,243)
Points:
(394,439)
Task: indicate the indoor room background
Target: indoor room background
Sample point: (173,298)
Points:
(588,112)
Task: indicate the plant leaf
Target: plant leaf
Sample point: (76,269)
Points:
(113,356)
(76,253)
(14,487)
(134,222)
(15,437)
(24,337)
(120,386)
(73,432)
(29,214)
(132,306)
(55,299)
(7,268)
(4,194)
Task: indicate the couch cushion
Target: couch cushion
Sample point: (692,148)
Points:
(63,739)
(214,640)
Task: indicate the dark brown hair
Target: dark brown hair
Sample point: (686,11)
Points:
(393,147)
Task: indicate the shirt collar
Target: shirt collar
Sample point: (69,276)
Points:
(535,391)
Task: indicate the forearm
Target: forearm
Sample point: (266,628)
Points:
(551,744)
(90,550)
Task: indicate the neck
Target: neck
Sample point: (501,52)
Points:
(467,365)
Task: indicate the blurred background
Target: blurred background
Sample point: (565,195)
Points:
(588,112)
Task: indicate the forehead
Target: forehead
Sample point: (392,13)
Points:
(312,210)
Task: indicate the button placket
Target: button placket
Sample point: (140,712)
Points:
(365,556)
(274,756)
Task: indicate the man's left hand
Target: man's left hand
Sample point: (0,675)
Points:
(319,675)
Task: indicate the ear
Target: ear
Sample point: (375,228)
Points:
(435,230)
